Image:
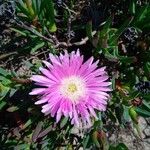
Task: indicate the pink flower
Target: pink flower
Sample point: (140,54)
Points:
(72,88)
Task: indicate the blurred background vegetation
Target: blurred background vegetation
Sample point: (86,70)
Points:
(117,32)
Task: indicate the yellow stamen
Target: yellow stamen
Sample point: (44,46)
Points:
(72,88)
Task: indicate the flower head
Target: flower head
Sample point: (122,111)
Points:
(72,88)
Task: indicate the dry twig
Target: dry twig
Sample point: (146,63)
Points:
(53,39)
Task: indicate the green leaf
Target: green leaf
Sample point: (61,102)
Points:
(5,81)
(132,7)
(112,116)
(120,146)
(114,38)
(147,97)
(126,113)
(142,13)
(64,122)
(38,46)
(22,147)
(28,64)
(147,68)
(119,113)
(142,18)
(12,109)
(111,147)
(2,104)
(146,105)
(89,30)
(36,6)
(37,131)
(144,109)
(3,91)
(30,9)
(106,27)
(95,139)
(45,132)
(47,8)
(143,112)
(115,57)
(111,57)
(133,114)
(28,123)
(125,59)
(52,27)
(12,92)
(22,8)
(113,81)
(86,141)
(3,72)
(19,31)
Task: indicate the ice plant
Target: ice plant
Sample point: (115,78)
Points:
(72,88)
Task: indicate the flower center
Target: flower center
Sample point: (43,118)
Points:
(72,88)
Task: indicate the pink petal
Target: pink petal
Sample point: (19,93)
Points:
(37,91)
(102,107)
(59,114)
(92,112)
(41,101)
(48,65)
(48,74)
(54,59)
(56,106)
(40,79)
(75,116)
(45,108)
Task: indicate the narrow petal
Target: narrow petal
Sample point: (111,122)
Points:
(45,108)
(40,79)
(94,74)
(47,64)
(41,101)
(55,108)
(75,116)
(104,89)
(102,107)
(78,53)
(54,59)
(37,91)
(48,74)
(92,112)
(59,114)
(97,81)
